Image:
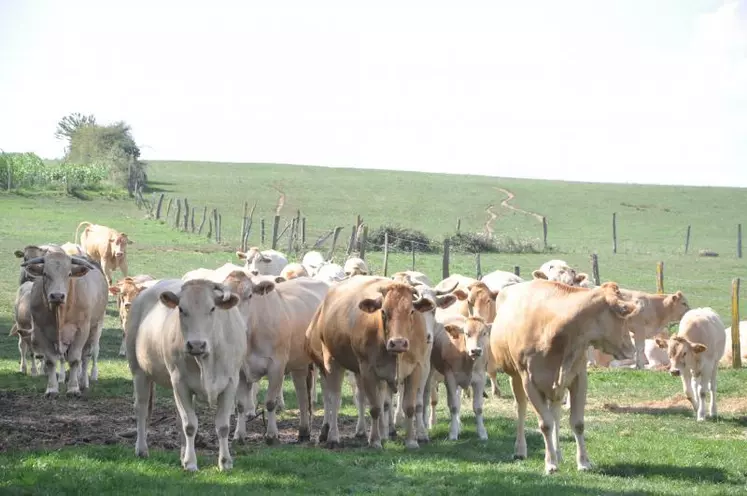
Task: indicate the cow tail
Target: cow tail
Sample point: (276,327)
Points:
(310,388)
(151,398)
(75,236)
(13,330)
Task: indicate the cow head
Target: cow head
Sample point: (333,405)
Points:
(55,270)
(677,306)
(355,267)
(197,302)
(683,353)
(480,300)
(440,298)
(118,243)
(612,336)
(126,290)
(560,271)
(397,304)
(469,336)
(254,260)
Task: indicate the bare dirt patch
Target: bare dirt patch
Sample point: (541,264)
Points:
(490,221)
(281,199)
(507,205)
(29,422)
(677,402)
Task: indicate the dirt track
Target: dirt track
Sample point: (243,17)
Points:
(507,205)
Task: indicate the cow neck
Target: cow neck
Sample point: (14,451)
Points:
(207,377)
(61,312)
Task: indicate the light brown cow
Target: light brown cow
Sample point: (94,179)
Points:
(559,270)
(106,246)
(355,266)
(188,337)
(539,338)
(73,250)
(68,306)
(276,317)
(374,327)
(694,353)
(23,327)
(126,290)
(263,263)
(657,310)
(458,359)
(293,270)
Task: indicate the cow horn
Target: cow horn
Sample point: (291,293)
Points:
(33,261)
(82,261)
(441,292)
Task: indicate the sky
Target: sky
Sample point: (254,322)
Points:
(636,91)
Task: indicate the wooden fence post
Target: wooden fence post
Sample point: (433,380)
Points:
(477,266)
(445,265)
(290,235)
(517,270)
(544,232)
(459,225)
(334,242)
(243,225)
(660,277)
(262,232)
(219,231)
(364,240)
(158,208)
(412,252)
(303,231)
(351,243)
(186,214)
(736,345)
(739,240)
(687,240)
(168,208)
(386,253)
(210,227)
(614,232)
(178,218)
(275,226)
(595,269)
(192,220)
(215,224)
(204,217)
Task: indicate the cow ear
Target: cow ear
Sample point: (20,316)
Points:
(130,242)
(662,343)
(494,295)
(78,271)
(18,254)
(227,304)
(241,255)
(280,279)
(36,270)
(624,309)
(679,339)
(538,274)
(699,347)
(581,278)
(263,287)
(423,305)
(446,301)
(460,294)
(114,290)
(371,305)
(454,330)
(169,299)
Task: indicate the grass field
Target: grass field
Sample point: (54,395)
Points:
(640,435)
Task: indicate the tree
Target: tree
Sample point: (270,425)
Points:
(71,123)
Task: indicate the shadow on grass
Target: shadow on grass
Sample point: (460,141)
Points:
(157,187)
(671,411)
(687,473)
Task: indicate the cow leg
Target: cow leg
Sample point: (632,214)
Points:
(577,391)
(546,421)
(50,367)
(186,411)
(388,418)
(711,406)
(302,396)
(34,370)
(454,403)
(688,389)
(639,338)
(399,412)
(74,356)
(332,385)
(434,403)
(275,376)
(492,372)
(141,387)
(413,415)
(243,398)
(360,402)
(385,394)
(61,374)
(23,349)
(520,400)
(372,389)
(478,387)
(700,386)
(225,405)
(251,406)
(556,407)
(420,401)
(123,347)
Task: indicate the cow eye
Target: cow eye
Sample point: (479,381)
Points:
(181,310)
(412,311)
(212,310)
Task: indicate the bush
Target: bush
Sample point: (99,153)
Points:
(401,238)
(479,243)
(27,170)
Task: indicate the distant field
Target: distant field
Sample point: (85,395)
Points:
(640,435)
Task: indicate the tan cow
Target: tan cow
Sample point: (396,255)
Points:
(276,317)
(694,353)
(105,245)
(355,266)
(459,359)
(73,250)
(23,327)
(126,290)
(374,327)
(539,338)
(188,337)
(263,263)
(559,270)
(293,270)
(68,306)
(728,353)
(34,251)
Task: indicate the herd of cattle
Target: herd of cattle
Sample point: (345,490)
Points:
(214,333)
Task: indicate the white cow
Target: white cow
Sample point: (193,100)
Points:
(313,261)
(499,279)
(559,270)
(726,359)
(355,266)
(189,337)
(265,262)
(330,273)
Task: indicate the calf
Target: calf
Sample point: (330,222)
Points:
(106,246)
(539,338)
(126,290)
(355,266)
(559,270)
(458,359)
(263,263)
(694,353)
(294,270)
(191,338)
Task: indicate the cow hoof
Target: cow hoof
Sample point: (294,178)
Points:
(393,434)
(240,439)
(584,466)
(551,469)
(51,394)
(360,435)
(225,464)
(375,445)
(192,467)
(304,438)
(122,353)
(424,440)
(74,392)
(271,440)
(324,433)
(520,457)
(332,445)
(141,453)
(412,445)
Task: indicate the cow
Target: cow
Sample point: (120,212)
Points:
(126,290)
(276,317)
(73,249)
(313,261)
(372,326)
(656,356)
(187,336)
(355,266)
(330,273)
(293,270)
(414,278)
(727,358)
(34,251)
(458,359)
(23,327)
(476,299)
(559,270)
(265,263)
(68,306)
(657,310)
(694,353)
(106,246)
(499,279)
(539,339)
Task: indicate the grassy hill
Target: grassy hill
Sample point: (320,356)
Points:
(627,409)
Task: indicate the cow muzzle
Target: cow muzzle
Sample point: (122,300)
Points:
(398,345)
(197,347)
(254,272)
(119,255)
(674,372)
(56,298)
(475,352)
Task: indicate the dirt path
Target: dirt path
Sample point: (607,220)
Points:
(489,222)
(511,196)
(281,199)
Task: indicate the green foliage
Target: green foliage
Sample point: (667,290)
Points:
(28,171)
(21,170)
(479,243)
(71,123)
(400,238)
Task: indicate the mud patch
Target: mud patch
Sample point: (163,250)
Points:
(678,402)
